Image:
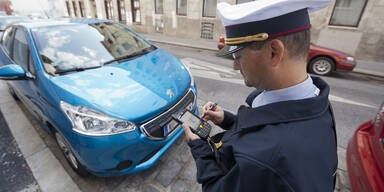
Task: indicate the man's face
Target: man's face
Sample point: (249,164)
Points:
(254,66)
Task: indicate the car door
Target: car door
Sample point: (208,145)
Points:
(26,89)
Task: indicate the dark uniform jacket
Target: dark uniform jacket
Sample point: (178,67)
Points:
(283,146)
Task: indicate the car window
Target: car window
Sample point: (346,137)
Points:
(20,49)
(7,39)
(31,63)
(75,46)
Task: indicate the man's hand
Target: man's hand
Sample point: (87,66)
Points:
(216,115)
(189,134)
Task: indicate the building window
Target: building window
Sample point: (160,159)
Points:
(209,8)
(108,9)
(135,4)
(81,6)
(74,8)
(122,14)
(94,9)
(181,8)
(159,6)
(68,8)
(243,1)
(347,12)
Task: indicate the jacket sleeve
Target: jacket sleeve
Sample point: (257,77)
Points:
(246,174)
(229,120)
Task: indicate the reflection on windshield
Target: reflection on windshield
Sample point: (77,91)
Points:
(76,46)
(4,22)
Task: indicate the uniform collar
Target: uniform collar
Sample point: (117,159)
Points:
(284,111)
(303,90)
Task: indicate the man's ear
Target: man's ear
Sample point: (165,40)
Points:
(277,51)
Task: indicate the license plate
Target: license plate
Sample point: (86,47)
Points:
(170,127)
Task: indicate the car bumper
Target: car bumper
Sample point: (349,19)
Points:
(362,166)
(121,154)
(346,66)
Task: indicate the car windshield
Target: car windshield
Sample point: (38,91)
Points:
(76,47)
(4,22)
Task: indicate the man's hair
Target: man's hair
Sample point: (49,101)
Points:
(297,44)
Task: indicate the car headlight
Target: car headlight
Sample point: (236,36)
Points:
(91,122)
(350,58)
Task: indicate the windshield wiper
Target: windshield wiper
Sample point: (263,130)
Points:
(133,55)
(75,69)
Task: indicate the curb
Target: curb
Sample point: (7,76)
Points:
(47,170)
(368,72)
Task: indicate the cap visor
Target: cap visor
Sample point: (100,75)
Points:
(232,49)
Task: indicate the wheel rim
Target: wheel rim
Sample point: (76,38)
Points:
(322,67)
(66,150)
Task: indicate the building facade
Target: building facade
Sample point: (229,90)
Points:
(352,26)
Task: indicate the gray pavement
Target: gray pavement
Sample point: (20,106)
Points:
(15,174)
(362,67)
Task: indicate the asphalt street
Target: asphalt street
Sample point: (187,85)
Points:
(355,97)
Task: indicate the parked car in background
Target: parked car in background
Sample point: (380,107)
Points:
(365,156)
(7,20)
(321,60)
(105,93)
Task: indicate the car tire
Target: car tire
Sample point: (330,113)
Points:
(12,92)
(69,155)
(321,66)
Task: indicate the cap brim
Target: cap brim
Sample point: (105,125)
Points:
(232,49)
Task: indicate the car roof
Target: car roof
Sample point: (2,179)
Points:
(59,21)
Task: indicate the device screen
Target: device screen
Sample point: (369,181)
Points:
(190,119)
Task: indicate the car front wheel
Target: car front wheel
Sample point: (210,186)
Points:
(70,156)
(321,66)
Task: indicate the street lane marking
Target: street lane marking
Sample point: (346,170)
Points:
(204,69)
(347,101)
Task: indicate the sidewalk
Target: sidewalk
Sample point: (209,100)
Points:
(46,169)
(363,67)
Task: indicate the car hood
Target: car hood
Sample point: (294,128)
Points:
(135,90)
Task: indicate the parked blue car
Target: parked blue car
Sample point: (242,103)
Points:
(104,92)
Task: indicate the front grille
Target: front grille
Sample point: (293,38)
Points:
(154,128)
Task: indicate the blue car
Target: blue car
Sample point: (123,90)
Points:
(105,93)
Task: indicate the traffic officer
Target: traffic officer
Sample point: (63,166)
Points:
(285,139)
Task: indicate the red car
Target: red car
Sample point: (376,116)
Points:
(321,60)
(365,156)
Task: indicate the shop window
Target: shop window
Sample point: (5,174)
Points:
(181,8)
(159,6)
(209,8)
(347,12)
(135,4)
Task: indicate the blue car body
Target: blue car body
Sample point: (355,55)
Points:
(136,90)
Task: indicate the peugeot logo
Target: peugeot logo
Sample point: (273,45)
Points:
(170,93)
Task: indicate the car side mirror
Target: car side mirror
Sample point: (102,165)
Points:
(12,72)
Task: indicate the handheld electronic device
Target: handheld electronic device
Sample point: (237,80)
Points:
(197,125)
